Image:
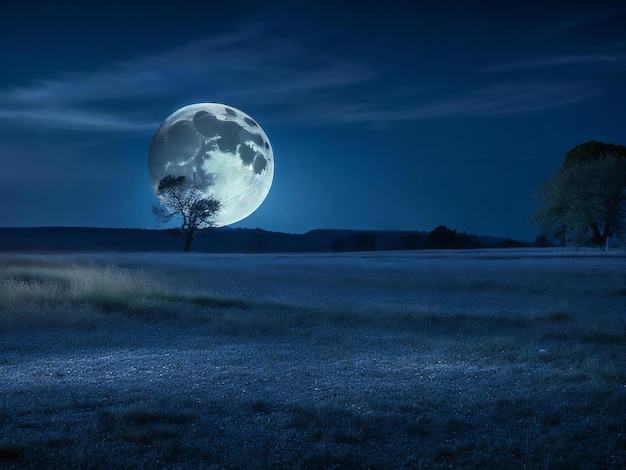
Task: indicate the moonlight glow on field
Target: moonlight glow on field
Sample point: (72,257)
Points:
(222,144)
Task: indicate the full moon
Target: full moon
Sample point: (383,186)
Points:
(223,145)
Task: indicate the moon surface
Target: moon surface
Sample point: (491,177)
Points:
(223,145)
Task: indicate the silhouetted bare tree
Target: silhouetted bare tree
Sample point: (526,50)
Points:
(186,198)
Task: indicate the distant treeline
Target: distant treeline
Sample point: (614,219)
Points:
(227,240)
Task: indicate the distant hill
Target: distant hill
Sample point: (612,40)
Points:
(227,240)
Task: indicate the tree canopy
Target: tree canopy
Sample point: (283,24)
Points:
(180,196)
(585,200)
(593,151)
(442,237)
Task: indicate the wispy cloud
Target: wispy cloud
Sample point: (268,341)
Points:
(500,99)
(92,100)
(228,67)
(145,75)
(556,62)
(514,97)
(293,85)
(76,119)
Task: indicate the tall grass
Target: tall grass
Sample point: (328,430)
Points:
(44,292)
(55,292)
(35,293)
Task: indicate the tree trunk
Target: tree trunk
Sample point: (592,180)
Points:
(188,240)
(606,236)
(597,236)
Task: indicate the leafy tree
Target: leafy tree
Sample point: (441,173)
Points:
(585,200)
(186,198)
(441,237)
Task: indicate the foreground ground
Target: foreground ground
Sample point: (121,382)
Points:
(490,359)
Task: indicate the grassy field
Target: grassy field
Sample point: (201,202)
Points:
(438,359)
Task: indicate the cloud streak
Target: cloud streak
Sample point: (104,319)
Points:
(556,62)
(227,67)
(76,119)
(292,85)
(496,100)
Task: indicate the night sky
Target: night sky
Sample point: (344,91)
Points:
(382,115)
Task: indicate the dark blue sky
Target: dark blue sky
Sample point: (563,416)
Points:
(382,115)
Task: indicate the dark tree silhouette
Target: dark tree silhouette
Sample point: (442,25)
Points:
(186,198)
(585,200)
(365,241)
(411,241)
(441,237)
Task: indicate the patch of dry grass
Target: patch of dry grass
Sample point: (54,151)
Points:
(34,293)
